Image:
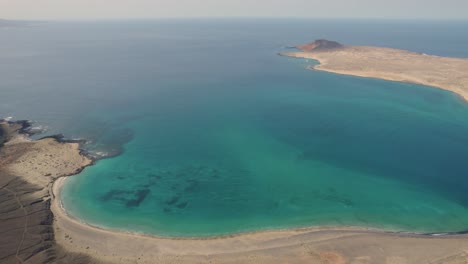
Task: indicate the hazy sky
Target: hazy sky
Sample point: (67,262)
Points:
(105,9)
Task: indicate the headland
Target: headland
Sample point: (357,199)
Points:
(391,64)
(28,169)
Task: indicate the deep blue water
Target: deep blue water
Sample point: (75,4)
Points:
(218,134)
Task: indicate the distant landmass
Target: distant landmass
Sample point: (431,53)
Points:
(320,45)
(13,23)
(387,63)
(4,22)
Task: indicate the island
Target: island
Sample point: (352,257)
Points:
(391,64)
(36,228)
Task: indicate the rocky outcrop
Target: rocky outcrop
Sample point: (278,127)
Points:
(320,45)
(26,231)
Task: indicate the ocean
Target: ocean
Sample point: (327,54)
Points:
(201,129)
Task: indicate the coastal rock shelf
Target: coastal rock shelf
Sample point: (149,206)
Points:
(389,64)
(27,171)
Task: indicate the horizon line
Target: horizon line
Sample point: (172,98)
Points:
(236,18)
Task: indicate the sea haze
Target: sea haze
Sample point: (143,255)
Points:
(208,131)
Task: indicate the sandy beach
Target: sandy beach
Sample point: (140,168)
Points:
(312,245)
(45,233)
(446,73)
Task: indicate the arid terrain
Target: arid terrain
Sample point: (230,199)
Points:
(27,171)
(450,74)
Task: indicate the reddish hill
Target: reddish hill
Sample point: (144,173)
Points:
(320,44)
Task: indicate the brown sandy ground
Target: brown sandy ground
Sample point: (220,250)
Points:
(326,246)
(26,232)
(389,64)
(35,229)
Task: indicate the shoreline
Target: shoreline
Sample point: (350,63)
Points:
(60,209)
(267,246)
(79,238)
(28,167)
(459,95)
(464,98)
(57,183)
(445,73)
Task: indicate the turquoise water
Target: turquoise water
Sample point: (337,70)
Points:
(212,133)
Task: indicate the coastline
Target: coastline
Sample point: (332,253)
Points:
(314,244)
(59,209)
(27,169)
(446,73)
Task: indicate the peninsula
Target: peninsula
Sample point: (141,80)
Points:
(28,169)
(391,64)
(36,229)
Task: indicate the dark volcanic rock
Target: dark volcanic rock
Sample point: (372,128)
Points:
(26,231)
(26,226)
